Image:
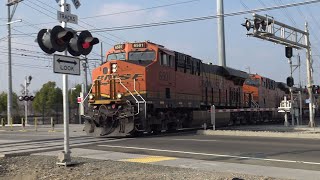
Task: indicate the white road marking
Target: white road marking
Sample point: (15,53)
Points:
(200,140)
(216,155)
(30,147)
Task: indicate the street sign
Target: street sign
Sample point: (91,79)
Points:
(79,100)
(67,8)
(67,17)
(76,3)
(66,65)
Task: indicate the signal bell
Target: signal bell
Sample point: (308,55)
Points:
(55,39)
(82,44)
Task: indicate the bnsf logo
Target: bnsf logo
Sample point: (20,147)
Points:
(122,77)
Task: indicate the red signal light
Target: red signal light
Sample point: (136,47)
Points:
(85,45)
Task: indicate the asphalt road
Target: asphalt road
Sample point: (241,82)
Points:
(278,152)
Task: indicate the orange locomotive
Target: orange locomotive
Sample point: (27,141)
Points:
(144,87)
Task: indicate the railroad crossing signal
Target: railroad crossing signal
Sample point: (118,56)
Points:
(26,98)
(59,39)
(289,52)
(82,44)
(258,24)
(290,81)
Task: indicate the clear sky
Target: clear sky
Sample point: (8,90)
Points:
(198,39)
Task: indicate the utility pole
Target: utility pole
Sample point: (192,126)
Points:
(101,53)
(299,122)
(309,76)
(221,37)
(9,95)
(85,84)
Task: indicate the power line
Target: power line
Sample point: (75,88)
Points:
(163,23)
(143,9)
(69,26)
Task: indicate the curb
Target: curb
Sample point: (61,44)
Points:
(14,155)
(258,134)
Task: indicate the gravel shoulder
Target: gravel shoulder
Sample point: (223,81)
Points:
(44,167)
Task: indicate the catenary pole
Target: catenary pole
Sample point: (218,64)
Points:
(221,36)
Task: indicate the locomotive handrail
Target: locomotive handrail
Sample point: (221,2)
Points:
(144,101)
(137,102)
(255,105)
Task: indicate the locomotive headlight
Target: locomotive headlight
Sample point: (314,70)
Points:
(119,95)
(91,97)
(114,68)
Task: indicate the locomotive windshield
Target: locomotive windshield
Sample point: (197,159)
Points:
(117,56)
(252,82)
(142,55)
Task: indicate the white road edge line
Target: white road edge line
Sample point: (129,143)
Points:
(200,140)
(53,146)
(217,155)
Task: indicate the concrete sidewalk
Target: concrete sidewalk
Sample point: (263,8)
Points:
(274,172)
(266,131)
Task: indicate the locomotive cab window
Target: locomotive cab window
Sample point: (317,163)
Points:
(117,56)
(141,56)
(252,82)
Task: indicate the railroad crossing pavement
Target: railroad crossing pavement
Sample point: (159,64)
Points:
(14,141)
(275,157)
(205,165)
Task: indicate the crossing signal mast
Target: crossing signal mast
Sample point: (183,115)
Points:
(266,28)
(62,39)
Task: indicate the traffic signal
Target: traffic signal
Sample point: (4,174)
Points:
(290,81)
(26,98)
(82,44)
(289,52)
(55,39)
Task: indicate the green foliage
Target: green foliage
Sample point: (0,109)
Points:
(3,102)
(48,99)
(73,94)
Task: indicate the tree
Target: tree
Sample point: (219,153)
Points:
(48,98)
(73,94)
(3,102)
